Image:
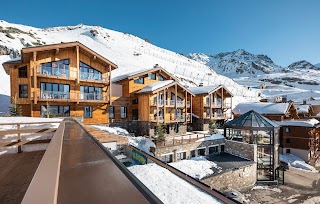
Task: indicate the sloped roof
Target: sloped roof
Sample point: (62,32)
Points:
(251,119)
(155,86)
(300,123)
(303,108)
(262,108)
(207,89)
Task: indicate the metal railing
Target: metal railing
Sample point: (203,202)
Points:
(217,115)
(213,105)
(93,76)
(179,118)
(59,72)
(58,95)
(159,102)
(154,118)
(54,95)
(92,97)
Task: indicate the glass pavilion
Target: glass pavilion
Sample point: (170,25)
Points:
(252,128)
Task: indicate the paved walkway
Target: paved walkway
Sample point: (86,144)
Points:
(89,175)
(16,173)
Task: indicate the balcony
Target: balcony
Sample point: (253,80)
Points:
(54,95)
(57,73)
(217,116)
(177,118)
(213,105)
(93,77)
(226,105)
(92,97)
(155,119)
(155,103)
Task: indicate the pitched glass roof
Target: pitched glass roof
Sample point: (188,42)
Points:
(251,119)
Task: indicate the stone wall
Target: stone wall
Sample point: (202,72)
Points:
(187,148)
(199,125)
(238,179)
(240,149)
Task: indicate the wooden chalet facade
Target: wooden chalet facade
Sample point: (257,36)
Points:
(70,78)
(301,138)
(151,97)
(211,103)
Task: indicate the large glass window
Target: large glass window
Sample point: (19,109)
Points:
(54,91)
(55,111)
(139,80)
(111,112)
(160,78)
(90,93)
(123,112)
(23,72)
(56,68)
(87,112)
(152,76)
(23,91)
(89,73)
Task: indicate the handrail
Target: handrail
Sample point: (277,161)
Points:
(44,185)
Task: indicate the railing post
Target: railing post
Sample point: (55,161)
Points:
(19,138)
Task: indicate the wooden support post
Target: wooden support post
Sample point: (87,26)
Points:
(176,94)
(190,108)
(222,101)
(19,138)
(157,103)
(186,107)
(35,77)
(110,85)
(164,106)
(78,64)
(210,99)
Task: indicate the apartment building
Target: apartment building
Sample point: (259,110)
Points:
(66,79)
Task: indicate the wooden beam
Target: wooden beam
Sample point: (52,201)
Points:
(35,77)
(176,94)
(95,57)
(210,99)
(190,108)
(185,106)
(55,54)
(157,103)
(110,84)
(78,64)
(164,106)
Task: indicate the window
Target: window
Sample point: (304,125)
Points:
(56,68)
(201,152)
(23,91)
(166,158)
(288,151)
(139,80)
(23,72)
(214,150)
(287,140)
(123,112)
(87,112)
(287,130)
(90,93)
(55,91)
(176,128)
(152,76)
(55,111)
(181,155)
(193,153)
(111,112)
(135,115)
(87,72)
(135,101)
(160,78)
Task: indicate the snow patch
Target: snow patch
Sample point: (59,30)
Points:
(297,162)
(214,136)
(278,190)
(169,188)
(313,200)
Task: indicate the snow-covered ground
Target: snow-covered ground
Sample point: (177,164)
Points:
(196,167)
(296,162)
(141,143)
(278,190)
(169,188)
(35,120)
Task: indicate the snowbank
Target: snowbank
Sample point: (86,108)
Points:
(112,130)
(198,168)
(266,188)
(301,123)
(214,136)
(296,162)
(169,188)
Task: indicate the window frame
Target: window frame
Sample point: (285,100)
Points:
(23,72)
(90,112)
(123,112)
(140,80)
(152,76)
(111,116)
(23,93)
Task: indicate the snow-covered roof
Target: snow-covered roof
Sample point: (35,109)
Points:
(203,89)
(303,108)
(300,123)
(129,74)
(214,136)
(262,108)
(155,86)
(313,102)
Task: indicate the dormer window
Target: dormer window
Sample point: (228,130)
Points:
(152,76)
(160,78)
(139,80)
(23,72)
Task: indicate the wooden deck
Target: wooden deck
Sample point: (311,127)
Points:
(103,137)
(16,174)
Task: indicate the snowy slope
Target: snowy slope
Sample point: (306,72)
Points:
(256,71)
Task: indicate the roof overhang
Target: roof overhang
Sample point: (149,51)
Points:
(168,86)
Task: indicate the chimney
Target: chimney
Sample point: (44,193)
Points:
(284,99)
(156,66)
(304,102)
(201,84)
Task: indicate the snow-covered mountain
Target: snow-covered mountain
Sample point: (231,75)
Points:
(317,65)
(128,51)
(239,62)
(299,81)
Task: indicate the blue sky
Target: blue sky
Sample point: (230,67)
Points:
(285,30)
